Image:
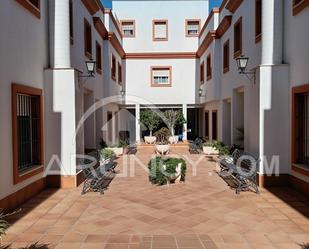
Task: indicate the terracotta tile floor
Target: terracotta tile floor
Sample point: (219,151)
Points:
(202,213)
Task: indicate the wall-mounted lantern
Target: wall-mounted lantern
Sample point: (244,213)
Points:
(242,63)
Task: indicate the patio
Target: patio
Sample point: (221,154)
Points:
(202,213)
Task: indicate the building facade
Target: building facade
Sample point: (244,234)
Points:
(150,54)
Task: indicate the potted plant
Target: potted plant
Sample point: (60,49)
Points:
(119,148)
(173,118)
(221,148)
(151,120)
(162,146)
(107,155)
(209,149)
(166,170)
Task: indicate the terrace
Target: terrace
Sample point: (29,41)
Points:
(201,213)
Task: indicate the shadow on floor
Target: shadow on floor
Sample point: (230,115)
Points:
(294,199)
(31,204)
(36,245)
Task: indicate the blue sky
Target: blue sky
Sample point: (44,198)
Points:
(213,3)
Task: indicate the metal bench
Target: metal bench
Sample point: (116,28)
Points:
(242,166)
(97,178)
(196,146)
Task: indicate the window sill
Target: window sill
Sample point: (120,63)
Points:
(99,71)
(237,54)
(128,36)
(30,7)
(299,168)
(297,8)
(163,86)
(197,35)
(160,39)
(88,55)
(258,38)
(27,174)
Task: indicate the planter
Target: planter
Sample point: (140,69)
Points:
(209,150)
(173,139)
(162,148)
(150,139)
(118,151)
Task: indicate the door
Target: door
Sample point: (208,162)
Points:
(214,125)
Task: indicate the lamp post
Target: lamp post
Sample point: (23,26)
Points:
(242,63)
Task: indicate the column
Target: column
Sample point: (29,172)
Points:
(60,33)
(184,112)
(137,124)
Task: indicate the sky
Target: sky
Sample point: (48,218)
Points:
(213,3)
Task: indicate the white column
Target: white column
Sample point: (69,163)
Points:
(60,34)
(272,26)
(137,123)
(184,112)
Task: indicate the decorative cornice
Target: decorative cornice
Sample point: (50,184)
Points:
(206,42)
(223,26)
(92,6)
(166,55)
(100,27)
(116,44)
(233,5)
(213,11)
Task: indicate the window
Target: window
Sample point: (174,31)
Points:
(202,72)
(88,39)
(258,20)
(209,73)
(113,68)
(32,6)
(226,56)
(193,27)
(98,58)
(119,73)
(128,28)
(160,30)
(207,125)
(161,76)
(299,5)
(27,127)
(238,38)
(214,125)
(71,22)
(300,129)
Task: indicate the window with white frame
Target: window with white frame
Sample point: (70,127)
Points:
(161,76)
(160,30)
(192,27)
(128,28)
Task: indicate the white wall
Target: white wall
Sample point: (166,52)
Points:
(23,50)
(143,12)
(183,90)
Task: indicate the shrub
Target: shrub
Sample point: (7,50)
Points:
(122,144)
(107,154)
(221,147)
(159,176)
(162,135)
(173,118)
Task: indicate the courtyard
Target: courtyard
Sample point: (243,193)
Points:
(201,213)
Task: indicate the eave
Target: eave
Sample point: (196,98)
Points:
(116,44)
(100,27)
(213,11)
(223,26)
(206,42)
(233,5)
(92,6)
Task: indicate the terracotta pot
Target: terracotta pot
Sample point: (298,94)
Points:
(150,139)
